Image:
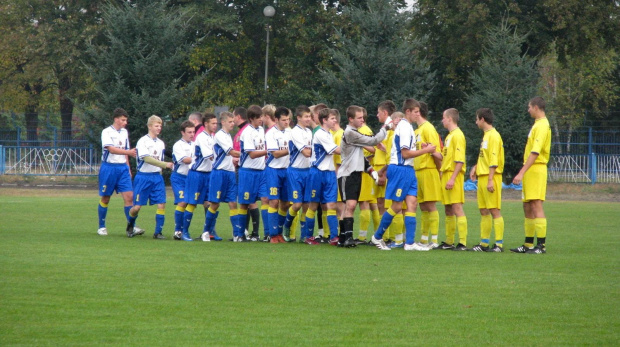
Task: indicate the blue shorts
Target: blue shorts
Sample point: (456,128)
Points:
(196,187)
(401,181)
(276,184)
(178,181)
(114,177)
(222,186)
(149,188)
(296,183)
(252,185)
(322,186)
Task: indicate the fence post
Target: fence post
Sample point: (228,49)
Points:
(590,140)
(1,160)
(19,144)
(55,136)
(593,168)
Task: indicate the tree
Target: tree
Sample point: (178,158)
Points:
(377,59)
(140,63)
(504,82)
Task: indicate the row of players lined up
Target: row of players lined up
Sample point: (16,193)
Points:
(316,166)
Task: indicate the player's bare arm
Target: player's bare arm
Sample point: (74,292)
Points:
(528,163)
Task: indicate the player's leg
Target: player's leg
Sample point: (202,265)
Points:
(158,197)
(461,224)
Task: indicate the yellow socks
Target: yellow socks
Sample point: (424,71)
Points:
(424,227)
(461,223)
(450,229)
(364,223)
(486,224)
(433,225)
(530,232)
(498,225)
(540,226)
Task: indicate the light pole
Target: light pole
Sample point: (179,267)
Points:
(269,12)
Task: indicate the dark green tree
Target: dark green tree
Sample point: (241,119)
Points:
(504,82)
(140,63)
(377,59)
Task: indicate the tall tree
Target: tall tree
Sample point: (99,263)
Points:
(377,59)
(140,63)
(504,82)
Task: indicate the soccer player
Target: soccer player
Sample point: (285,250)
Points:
(489,172)
(353,166)
(223,183)
(396,229)
(452,176)
(322,185)
(534,177)
(149,186)
(337,133)
(277,138)
(115,174)
(182,153)
(381,157)
(300,148)
(427,172)
(196,119)
(199,176)
(402,184)
(252,183)
(315,125)
(368,194)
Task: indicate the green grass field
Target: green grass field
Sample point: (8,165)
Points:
(61,284)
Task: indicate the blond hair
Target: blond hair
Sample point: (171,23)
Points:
(152,120)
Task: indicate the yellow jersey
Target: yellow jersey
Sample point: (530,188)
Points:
(383,158)
(539,141)
(337,136)
(491,153)
(453,151)
(426,133)
(365,129)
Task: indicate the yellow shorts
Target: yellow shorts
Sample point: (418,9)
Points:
(535,183)
(486,199)
(369,189)
(456,195)
(429,185)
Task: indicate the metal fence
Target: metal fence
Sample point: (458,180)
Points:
(583,168)
(43,160)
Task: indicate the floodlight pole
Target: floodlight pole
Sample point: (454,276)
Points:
(269,12)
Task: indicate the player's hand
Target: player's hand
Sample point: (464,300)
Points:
(518,179)
(169,165)
(381,147)
(472,173)
(490,186)
(382,180)
(450,185)
(132,152)
(430,148)
(375,176)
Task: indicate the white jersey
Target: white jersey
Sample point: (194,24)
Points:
(323,147)
(252,139)
(276,140)
(181,150)
(301,138)
(149,147)
(223,145)
(203,153)
(404,138)
(111,137)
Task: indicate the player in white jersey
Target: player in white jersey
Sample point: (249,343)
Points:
(115,174)
(300,149)
(322,187)
(277,138)
(223,185)
(182,153)
(251,183)
(149,184)
(402,183)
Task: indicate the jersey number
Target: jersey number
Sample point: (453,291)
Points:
(219,192)
(196,196)
(313,193)
(181,194)
(104,188)
(246,196)
(273,191)
(295,195)
(399,192)
(137,197)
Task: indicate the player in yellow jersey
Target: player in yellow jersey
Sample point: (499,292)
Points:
(452,176)
(534,177)
(489,172)
(427,172)
(337,133)
(368,194)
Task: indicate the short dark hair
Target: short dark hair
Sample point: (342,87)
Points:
(241,112)
(282,111)
(336,113)
(323,115)
(207,117)
(538,102)
(352,110)
(410,104)
(301,109)
(424,109)
(453,114)
(187,124)
(389,106)
(254,112)
(486,114)
(119,112)
(318,108)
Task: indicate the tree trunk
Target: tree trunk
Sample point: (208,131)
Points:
(32,113)
(66,109)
